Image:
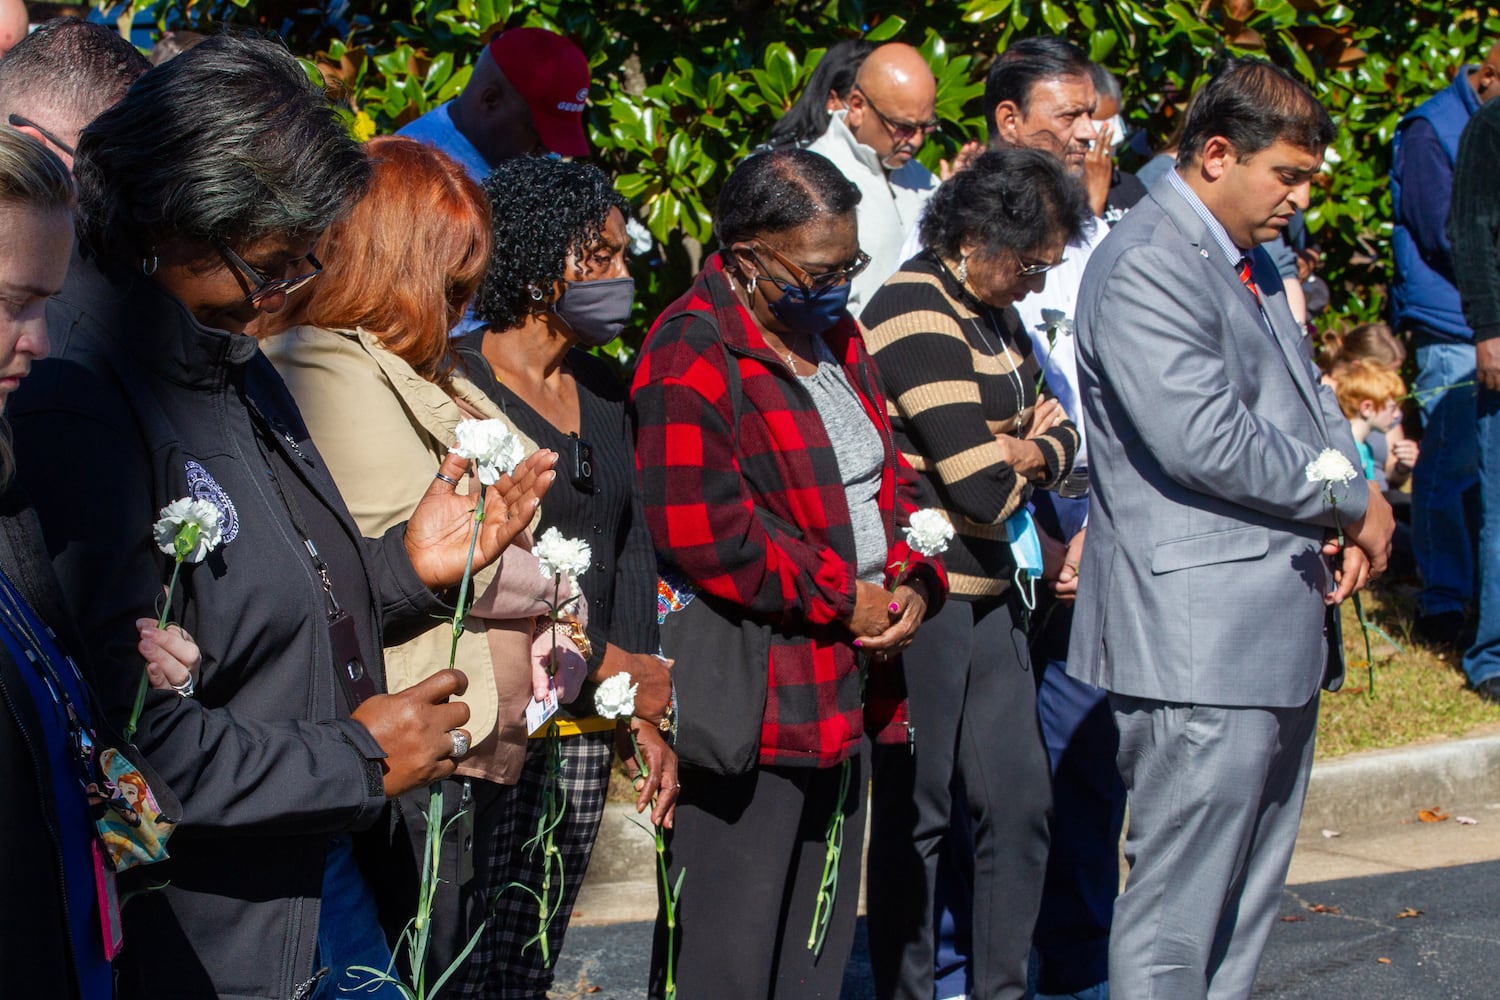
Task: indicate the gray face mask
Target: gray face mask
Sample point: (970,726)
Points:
(596,311)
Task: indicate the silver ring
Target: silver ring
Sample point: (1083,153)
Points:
(186,688)
(460,743)
(447,479)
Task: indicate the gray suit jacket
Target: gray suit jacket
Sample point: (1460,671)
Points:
(1202,580)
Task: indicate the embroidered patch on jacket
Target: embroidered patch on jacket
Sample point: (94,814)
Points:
(202,486)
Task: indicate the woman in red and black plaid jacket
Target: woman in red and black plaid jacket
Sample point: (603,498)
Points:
(776,488)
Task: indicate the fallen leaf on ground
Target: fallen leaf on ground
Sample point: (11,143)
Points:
(1293,919)
(1433,815)
(1323,908)
(1466,821)
(1383,961)
(594,989)
(1408,913)
(1330,834)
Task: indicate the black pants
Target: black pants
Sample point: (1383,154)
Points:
(753,850)
(973,706)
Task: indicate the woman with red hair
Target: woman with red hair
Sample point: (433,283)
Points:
(366,354)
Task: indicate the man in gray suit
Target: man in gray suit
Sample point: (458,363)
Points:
(1207,604)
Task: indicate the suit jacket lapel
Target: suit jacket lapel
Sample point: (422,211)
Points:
(1289,337)
(1280,316)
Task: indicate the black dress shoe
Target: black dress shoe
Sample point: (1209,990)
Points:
(1489,689)
(1445,630)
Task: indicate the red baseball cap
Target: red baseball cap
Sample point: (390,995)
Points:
(552,74)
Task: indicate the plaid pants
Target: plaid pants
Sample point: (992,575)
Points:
(501,967)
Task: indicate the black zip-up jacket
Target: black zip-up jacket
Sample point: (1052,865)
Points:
(139,405)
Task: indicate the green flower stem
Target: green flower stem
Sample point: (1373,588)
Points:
(418,936)
(671,895)
(828,888)
(1365,626)
(144,683)
(1419,393)
(466,584)
(554,803)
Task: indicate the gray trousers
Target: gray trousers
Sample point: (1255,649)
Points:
(1215,799)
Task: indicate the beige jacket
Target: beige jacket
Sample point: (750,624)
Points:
(383,429)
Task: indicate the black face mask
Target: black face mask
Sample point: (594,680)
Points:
(596,311)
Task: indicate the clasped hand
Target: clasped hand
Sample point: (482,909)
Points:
(883,623)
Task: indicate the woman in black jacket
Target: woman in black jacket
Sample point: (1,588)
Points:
(202,195)
(54,944)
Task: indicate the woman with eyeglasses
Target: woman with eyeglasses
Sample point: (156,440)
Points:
(969,412)
(201,197)
(387,356)
(556,286)
(774,493)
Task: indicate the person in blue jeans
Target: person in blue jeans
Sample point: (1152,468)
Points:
(1445,500)
(1474,229)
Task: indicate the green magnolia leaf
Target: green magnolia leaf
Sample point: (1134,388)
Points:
(887,29)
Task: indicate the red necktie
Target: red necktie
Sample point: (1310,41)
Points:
(1246,280)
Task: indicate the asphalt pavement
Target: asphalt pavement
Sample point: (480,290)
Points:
(1380,904)
(1432,934)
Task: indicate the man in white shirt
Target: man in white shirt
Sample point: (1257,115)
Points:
(873,141)
(1040,95)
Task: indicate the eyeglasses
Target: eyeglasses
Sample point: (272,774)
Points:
(16,121)
(812,285)
(1032,270)
(261,287)
(900,129)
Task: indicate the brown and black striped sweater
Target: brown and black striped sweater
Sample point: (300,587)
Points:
(956,373)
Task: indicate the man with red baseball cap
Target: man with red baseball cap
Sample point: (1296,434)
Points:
(526,97)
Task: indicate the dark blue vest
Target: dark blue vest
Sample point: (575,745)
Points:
(1421,295)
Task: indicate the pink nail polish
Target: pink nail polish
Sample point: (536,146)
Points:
(895,607)
(859,642)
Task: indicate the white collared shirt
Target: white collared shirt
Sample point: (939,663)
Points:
(889,206)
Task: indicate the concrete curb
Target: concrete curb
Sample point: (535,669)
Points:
(1343,794)
(1381,785)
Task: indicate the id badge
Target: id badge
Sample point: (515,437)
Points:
(539,713)
(348,660)
(109,903)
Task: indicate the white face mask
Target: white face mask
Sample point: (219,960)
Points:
(1117,133)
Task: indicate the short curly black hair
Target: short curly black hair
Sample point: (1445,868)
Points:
(1009,199)
(542,209)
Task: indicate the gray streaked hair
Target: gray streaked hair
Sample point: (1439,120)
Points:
(70,68)
(1106,86)
(228,141)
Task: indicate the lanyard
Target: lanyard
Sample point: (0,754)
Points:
(80,740)
(342,632)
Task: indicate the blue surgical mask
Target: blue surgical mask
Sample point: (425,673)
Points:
(1026,550)
(809,314)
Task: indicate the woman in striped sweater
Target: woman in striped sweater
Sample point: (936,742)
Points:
(968,412)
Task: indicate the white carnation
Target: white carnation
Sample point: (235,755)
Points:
(491,446)
(929,532)
(615,697)
(188,529)
(558,555)
(1330,467)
